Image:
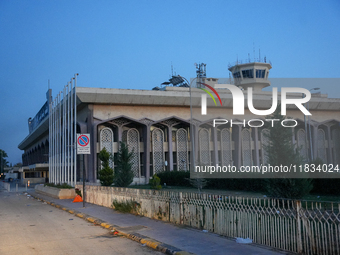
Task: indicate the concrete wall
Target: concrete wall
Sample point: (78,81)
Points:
(33,180)
(146,205)
(264,220)
(55,192)
(5,185)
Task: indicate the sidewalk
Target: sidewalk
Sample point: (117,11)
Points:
(170,237)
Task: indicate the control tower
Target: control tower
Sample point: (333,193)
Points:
(251,74)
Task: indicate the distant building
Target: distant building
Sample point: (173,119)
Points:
(156,126)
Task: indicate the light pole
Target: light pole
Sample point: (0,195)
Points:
(309,129)
(192,140)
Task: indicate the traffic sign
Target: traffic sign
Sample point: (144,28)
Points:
(83,144)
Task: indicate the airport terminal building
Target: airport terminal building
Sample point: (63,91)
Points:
(162,125)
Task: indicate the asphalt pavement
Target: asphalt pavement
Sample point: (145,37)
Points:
(163,236)
(33,227)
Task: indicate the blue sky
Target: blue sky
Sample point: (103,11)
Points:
(132,44)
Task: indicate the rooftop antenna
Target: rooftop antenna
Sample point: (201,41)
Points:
(172,69)
(249,57)
(259,55)
(48,83)
(201,73)
(254,50)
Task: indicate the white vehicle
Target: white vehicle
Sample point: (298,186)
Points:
(11,176)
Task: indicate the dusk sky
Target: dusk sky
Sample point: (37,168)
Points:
(132,45)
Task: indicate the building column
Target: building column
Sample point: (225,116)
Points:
(314,132)
(329,145)
(94,148)
(236,138)
(170,150)
(293,136)
(147,153)
(215,147)
(120,134)
(90,170)
(255,136)
(196,143)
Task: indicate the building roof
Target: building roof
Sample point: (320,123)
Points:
(171,96)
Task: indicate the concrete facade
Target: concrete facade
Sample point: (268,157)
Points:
(156,124)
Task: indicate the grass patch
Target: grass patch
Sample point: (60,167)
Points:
(322,198)
(126,206)
(239,193)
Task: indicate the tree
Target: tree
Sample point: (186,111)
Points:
(123,174)
(3,161)
(280,150)
(106,172)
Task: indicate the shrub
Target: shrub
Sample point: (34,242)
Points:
(175,178)
(123,176)
(288,188)
(59,186)
(126,206)
(155,182)
(325,186)
(282,152)
(198,183)
(106,173)
(78,192)
(237,184)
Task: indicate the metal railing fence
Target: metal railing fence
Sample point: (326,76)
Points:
(306,227)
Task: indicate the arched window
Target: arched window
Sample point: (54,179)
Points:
(157,150)
(182,149)
(204,139)
(132,141)
(226,149)
(246,148)
(106,141)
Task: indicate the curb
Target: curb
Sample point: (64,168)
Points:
(154,244)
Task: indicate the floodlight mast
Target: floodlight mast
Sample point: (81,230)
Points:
(201,73)
(192,138)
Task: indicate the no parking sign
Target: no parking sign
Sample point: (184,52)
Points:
(83,144)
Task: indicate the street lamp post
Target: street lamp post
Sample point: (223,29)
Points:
(192,140)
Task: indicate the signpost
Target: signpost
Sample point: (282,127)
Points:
(83,144)
(83,147)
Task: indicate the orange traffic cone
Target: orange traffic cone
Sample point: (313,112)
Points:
(77,199)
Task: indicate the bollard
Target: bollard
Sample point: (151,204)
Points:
(16,187)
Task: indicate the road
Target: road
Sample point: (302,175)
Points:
(28,226)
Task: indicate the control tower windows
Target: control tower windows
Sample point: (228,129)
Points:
(260,73)
(237,75)
(248,73)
